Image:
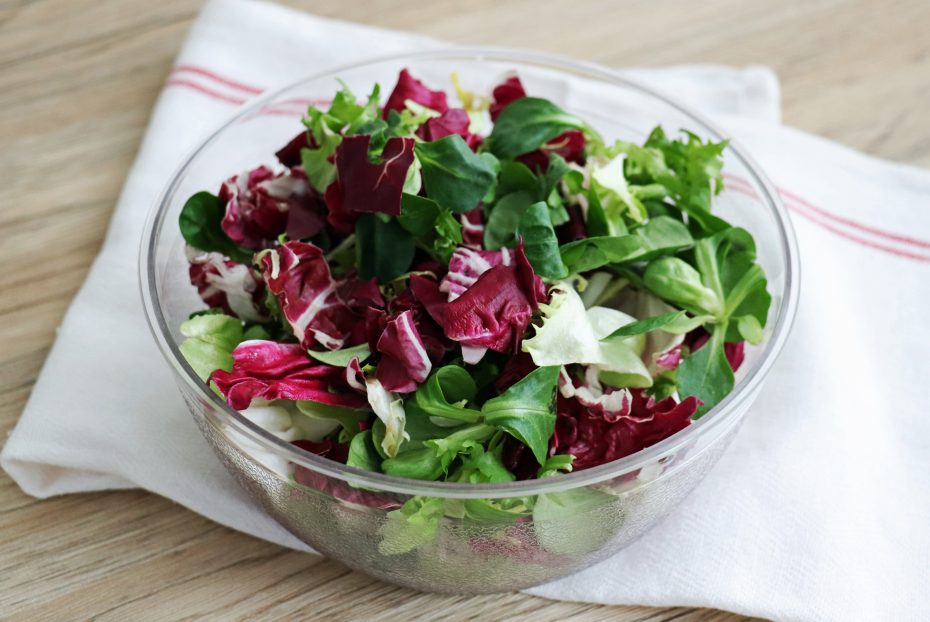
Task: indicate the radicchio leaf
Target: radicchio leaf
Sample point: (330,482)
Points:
(494,312)
(298,275)
(410,88)
(280,371)
(404,360)
(261,205)
(452,121)
(363,186)
(473,228)
(466,265)
(227,285)
(597,429)
(289,154)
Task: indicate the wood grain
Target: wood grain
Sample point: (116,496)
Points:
(77,81)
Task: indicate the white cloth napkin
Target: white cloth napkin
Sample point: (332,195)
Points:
(818,511)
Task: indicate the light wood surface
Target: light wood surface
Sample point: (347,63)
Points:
(77,82)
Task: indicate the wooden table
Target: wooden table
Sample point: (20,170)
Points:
(77,81)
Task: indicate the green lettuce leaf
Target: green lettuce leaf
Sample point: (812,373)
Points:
(540,243)
(455,177)
(341,358)
(362,454)
(528,123)
(526,410)
(446,393)
(200,226)
(384,248)
(210,340)
(571,334)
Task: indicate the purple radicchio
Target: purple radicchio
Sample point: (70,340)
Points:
(409,342)
(452,121)
(409,88)
(262,204)
(280,371)
(493,312)
(289,154)
(473,228)
(466,265)
(364,186)
(298,275)
(598,424)
(227,285)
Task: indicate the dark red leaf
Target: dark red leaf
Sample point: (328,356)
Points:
(595,435)
(261,205)
(495,311)
(364,186)
(410,88)
(473,228)
(306,293)
(227,285)
(507,91)
(280,371)
(289,154)
(452,121)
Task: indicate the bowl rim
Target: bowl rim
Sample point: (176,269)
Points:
(721,413)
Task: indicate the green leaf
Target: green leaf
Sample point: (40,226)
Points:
(362,454)
(422,464)
(727,262)
(526,410)
(571,334)
(616,197)
(446,393)
(592,253)
(596,223)
(540,243)
(515,177)
(384,249)
(448,234)
(341,358)
(749,328)
(480,466)
(415,524)
(646,325)
(662,235)
(210,340)
(676,281)
(418,214)
(591,516)
(555,171)
(200,225)
(495,510)
(455,177)
(528,123)
(691,173)
(559,463)
(500,231)
(419,427)
(348,418)
(707,373)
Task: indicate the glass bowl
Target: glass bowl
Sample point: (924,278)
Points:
(353,516)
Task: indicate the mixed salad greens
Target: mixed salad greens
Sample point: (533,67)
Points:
(473,293)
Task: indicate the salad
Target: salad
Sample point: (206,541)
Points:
(470,288)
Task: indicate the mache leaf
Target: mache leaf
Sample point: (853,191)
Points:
(455,177)
(528,123)
(200,223)
(526,410)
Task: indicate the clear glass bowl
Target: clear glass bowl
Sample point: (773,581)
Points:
(343,512)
